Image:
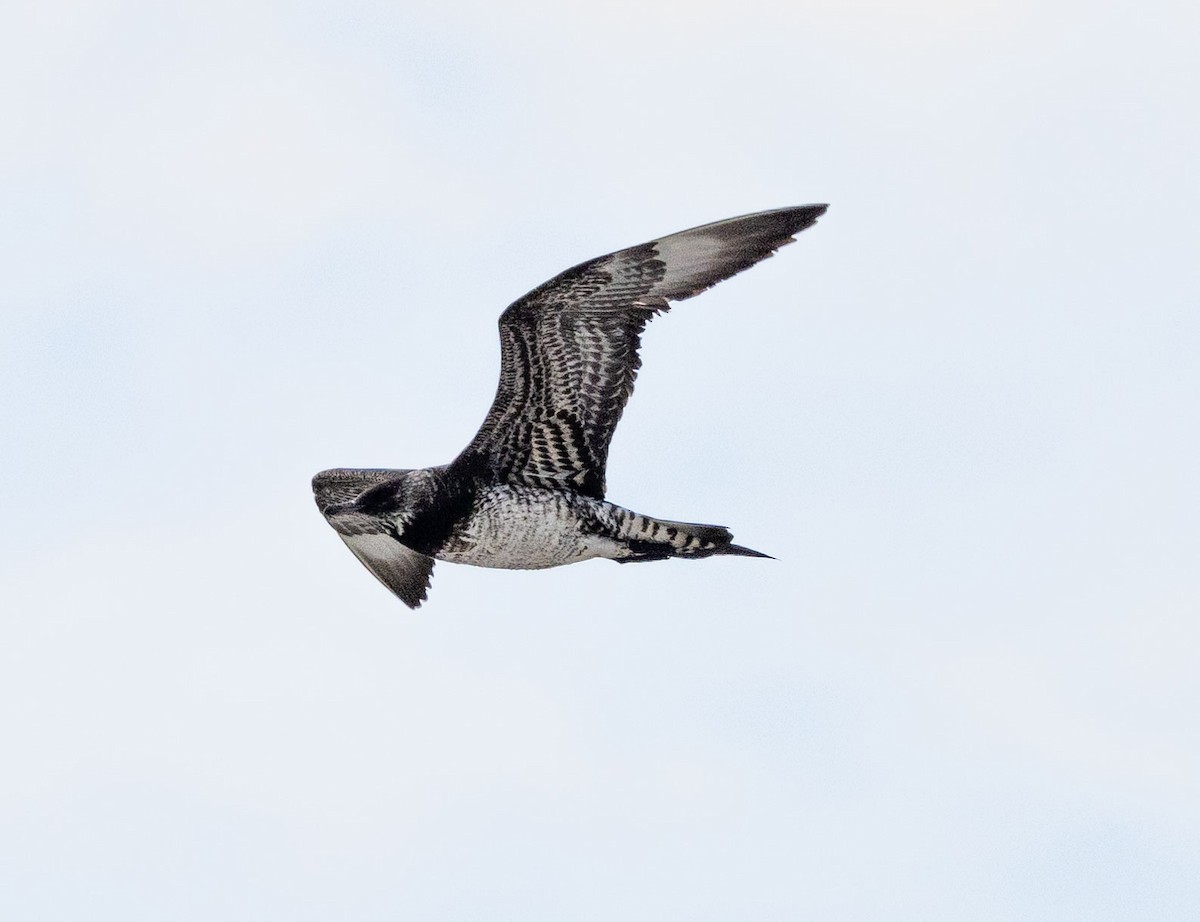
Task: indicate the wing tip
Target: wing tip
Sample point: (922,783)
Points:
(696,259)
(796,218)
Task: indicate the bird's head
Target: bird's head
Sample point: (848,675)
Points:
(348,492)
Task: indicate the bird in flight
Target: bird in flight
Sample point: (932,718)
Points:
(528,491)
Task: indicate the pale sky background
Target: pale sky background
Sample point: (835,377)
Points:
(246,241)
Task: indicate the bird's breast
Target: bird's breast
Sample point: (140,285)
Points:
(516,528)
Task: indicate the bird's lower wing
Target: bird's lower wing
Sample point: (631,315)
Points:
(403,571)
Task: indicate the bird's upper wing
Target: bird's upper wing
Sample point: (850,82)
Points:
(569,348)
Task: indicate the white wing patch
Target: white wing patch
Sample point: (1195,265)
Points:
(687,255)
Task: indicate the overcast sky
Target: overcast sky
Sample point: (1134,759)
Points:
(242,242)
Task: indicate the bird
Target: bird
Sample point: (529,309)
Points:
(528,492)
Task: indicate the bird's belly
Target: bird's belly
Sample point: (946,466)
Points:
(526,530)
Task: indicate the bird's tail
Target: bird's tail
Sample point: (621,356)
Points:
(658,539)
